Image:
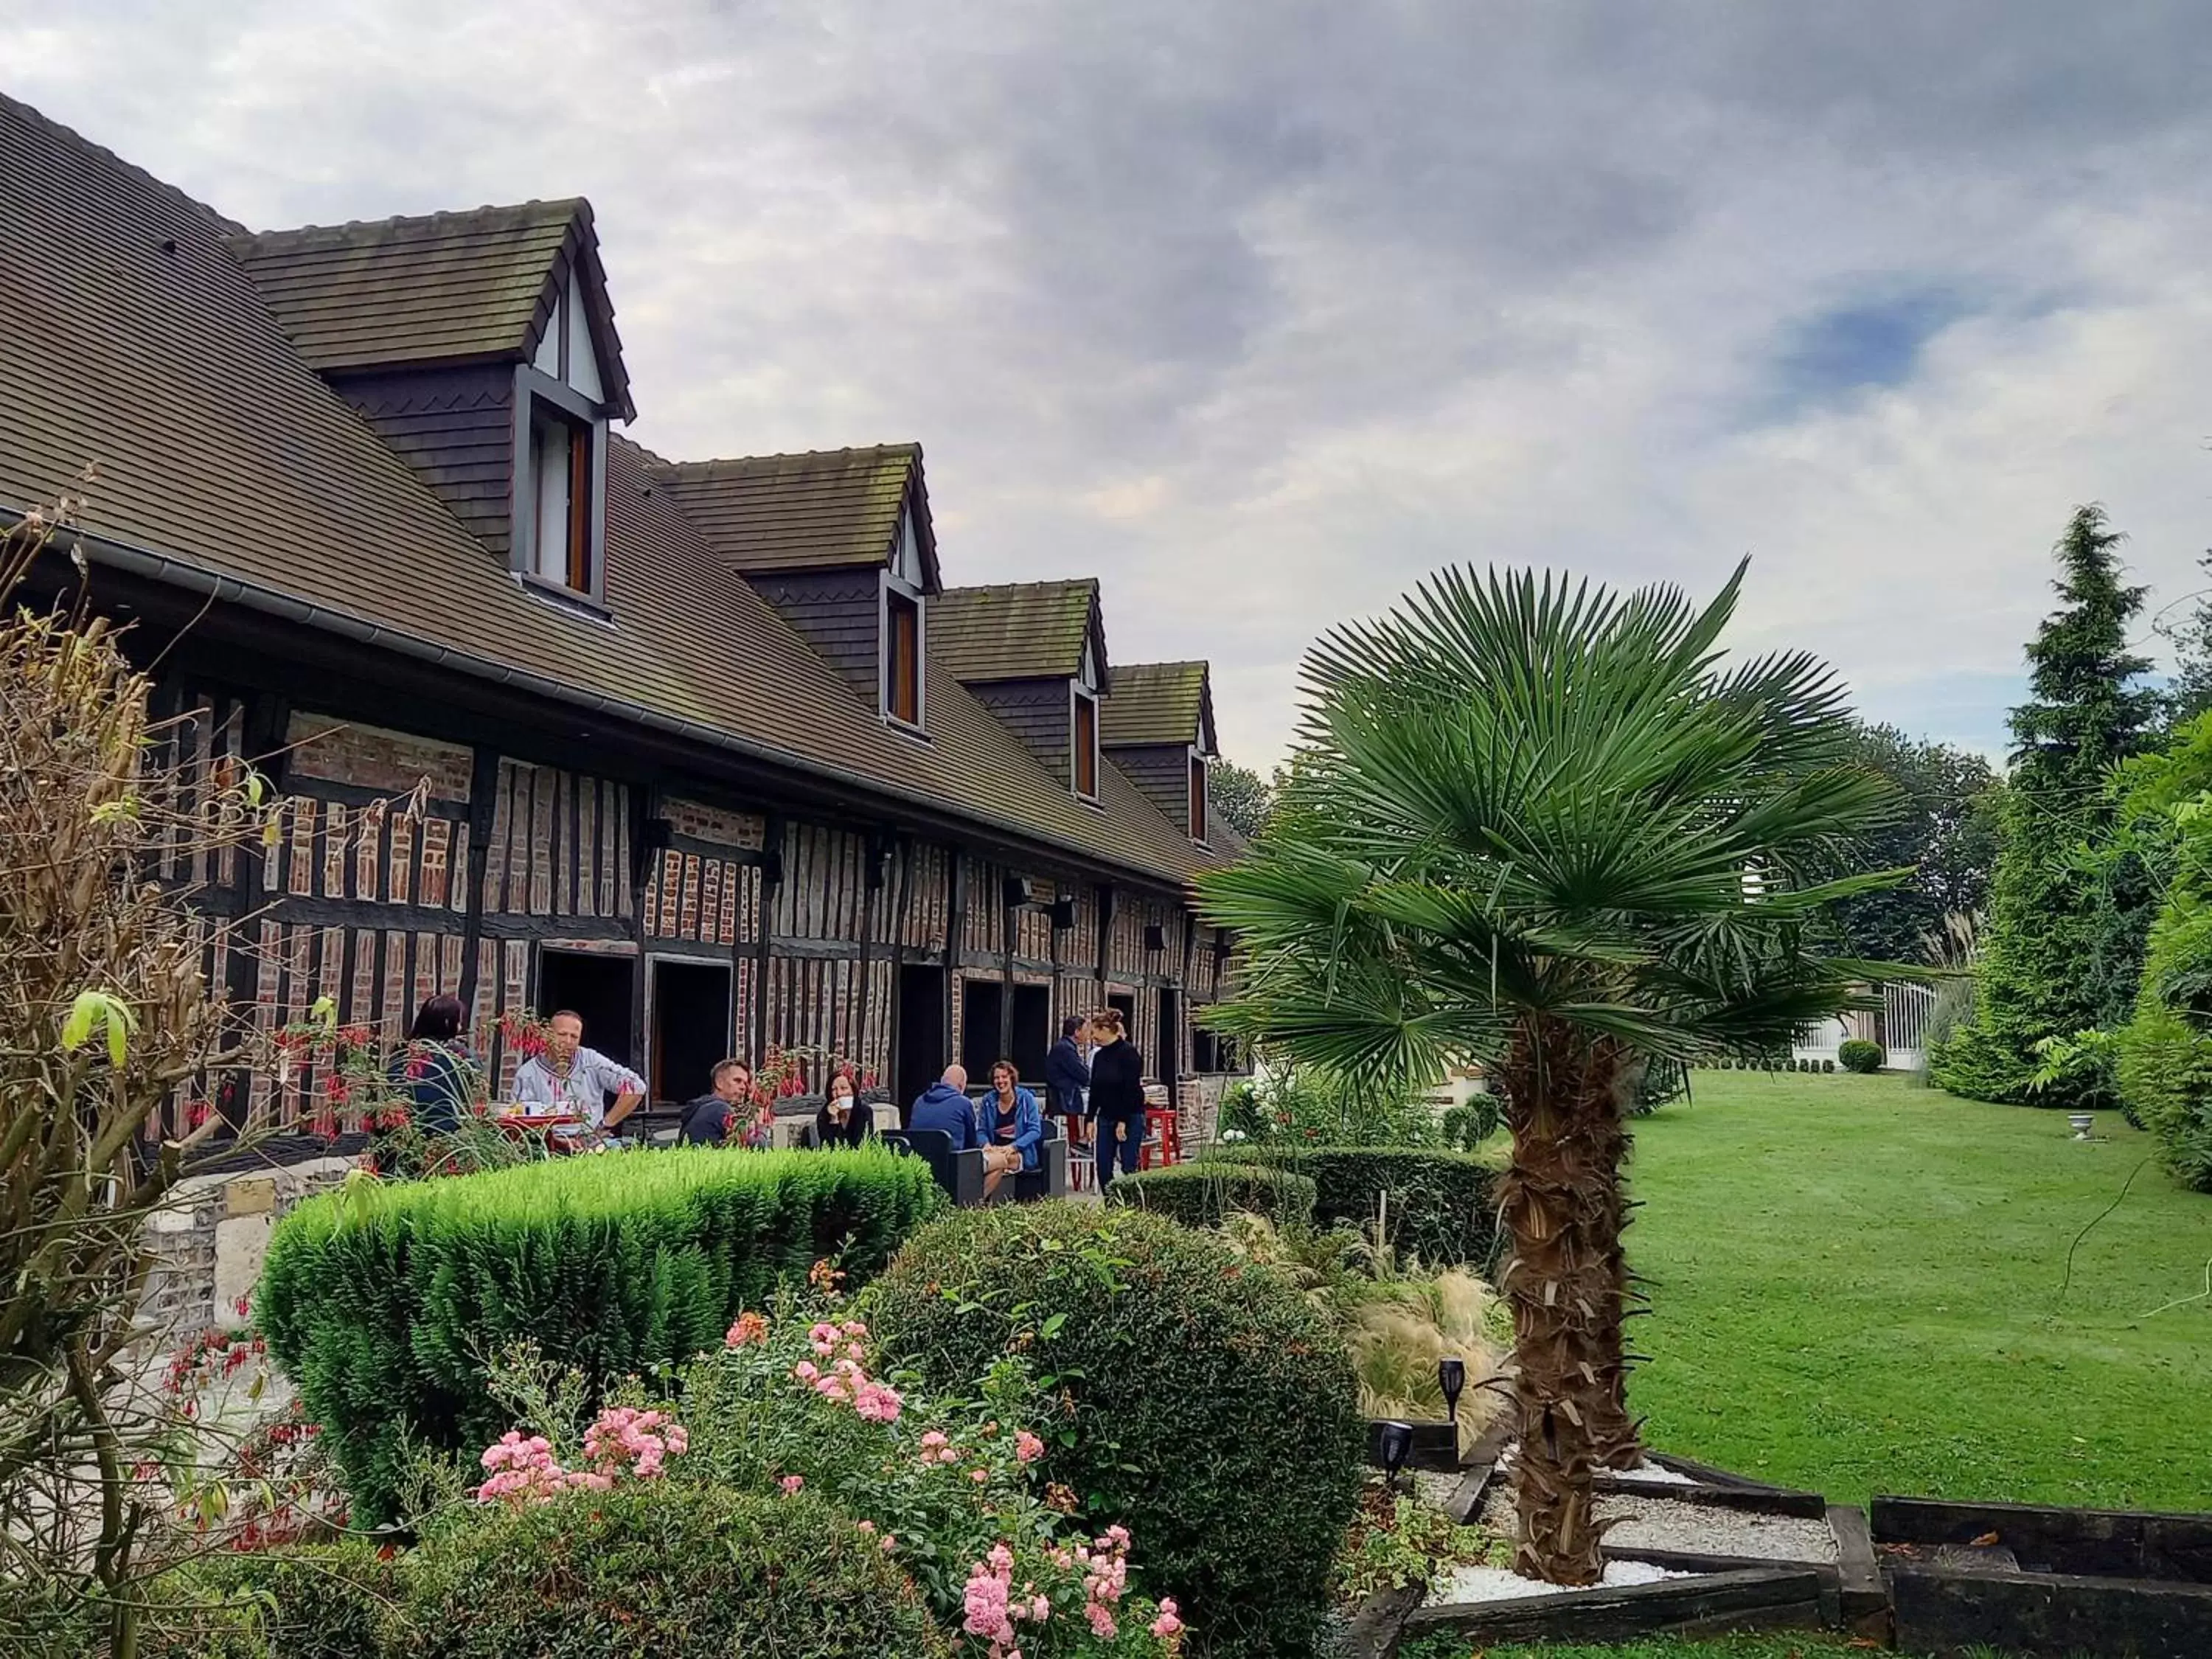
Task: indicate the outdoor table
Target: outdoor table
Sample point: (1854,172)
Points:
(516,1125)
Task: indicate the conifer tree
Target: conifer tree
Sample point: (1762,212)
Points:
(2063,946)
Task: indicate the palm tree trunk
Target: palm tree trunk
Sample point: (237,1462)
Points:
(1614,1432)
(1561,1204)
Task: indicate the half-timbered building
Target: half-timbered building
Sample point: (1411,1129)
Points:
(705,751)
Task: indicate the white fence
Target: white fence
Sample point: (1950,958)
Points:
(1900,1025)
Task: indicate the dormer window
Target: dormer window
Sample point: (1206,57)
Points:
(905,639)
(1198,798)
(1082,725)
(560,447)
(561,524)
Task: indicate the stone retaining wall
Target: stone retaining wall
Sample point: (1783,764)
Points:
(212,1237)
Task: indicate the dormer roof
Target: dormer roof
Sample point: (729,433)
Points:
(440,290)
(1018,631)
(818,510)
(1155,703)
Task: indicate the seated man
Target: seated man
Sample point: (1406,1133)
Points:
(727,1107)
(568,1077)
(944,1107)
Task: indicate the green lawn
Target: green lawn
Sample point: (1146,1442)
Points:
(1857,1288)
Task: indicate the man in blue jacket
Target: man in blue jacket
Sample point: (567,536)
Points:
(944,1106)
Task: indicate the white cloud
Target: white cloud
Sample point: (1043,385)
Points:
(1262,312)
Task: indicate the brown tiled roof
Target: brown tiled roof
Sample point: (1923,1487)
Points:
(1157,702)
(443,287)
(134,337)
(805,512)
(1016,630)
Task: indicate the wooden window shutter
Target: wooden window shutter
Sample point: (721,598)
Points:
(1086,747)
(905,688)
(1197,798)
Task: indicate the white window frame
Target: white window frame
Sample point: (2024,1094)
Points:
(531,388)
(890,583)
(1077,693)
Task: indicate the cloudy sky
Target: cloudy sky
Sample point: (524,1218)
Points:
(1259,309)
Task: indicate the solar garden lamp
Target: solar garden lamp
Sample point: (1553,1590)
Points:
(1451,1378)
(1397,1447)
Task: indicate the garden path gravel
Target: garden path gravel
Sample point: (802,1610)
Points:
(1669,1523)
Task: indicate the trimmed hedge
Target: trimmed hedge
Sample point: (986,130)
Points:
(663,1568)
(1857,1054)
(1443,1205)
(1212,1409)
(1199,1195)
(383,1301)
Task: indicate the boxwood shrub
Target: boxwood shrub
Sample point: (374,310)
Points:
(668,1569)
(1198,1194)
(1443,1205)
(675,1570)
(1857,1054)
(1209,1407)
(382,1301)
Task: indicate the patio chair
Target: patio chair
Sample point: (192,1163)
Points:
(1049,1178)
(960,1173)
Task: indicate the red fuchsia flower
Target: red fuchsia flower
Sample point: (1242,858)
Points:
(417,1065)
(337,1091)
(791,1484)
(751,1327)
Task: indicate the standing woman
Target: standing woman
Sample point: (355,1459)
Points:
(842,1120)
(1117,1098)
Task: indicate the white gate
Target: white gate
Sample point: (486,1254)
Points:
(1904,1023)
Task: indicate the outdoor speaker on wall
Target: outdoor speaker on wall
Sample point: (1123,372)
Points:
(1020,892)
(1155,937)
(1063,914)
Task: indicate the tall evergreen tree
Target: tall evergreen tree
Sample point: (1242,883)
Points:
(1946,832)
(2063,947)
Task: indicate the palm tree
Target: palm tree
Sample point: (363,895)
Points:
(1544,827)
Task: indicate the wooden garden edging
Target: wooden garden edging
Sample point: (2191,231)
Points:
(2035,1580)
(1763,1598)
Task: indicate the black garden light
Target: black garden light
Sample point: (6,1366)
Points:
(1451,1378)
(1397,1447)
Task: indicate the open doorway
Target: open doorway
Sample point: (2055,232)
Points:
(1127,1002)
(1167,1064)
(691,1026)
(598,989)
(920,1049)
(982,1012)
(1032,1032)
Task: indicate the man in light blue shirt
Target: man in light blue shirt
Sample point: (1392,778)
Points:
(570,1078)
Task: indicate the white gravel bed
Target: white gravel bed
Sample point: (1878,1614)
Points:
(1434,1487)
(1667,1523)
(1655,1475)
(1499,1583)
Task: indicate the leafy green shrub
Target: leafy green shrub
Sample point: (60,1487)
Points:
(1857,1054)
(673,1570)
(297,1602)
(2165,1058)
(1212,1409)
(1307,1107)
(1440,1206)
(382,1301)
(1198,1194)
(1464,1128)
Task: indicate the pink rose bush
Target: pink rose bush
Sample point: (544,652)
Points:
(948,1489)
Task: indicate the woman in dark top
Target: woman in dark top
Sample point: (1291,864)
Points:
(433,1073)
(1117,1098)
(842,1120)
